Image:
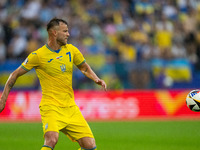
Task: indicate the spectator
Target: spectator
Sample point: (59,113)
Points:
(2,51)
(17,46)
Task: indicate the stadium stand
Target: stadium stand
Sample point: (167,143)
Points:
(131,44)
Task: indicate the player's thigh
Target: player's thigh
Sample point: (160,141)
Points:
(49,120)
(77,127)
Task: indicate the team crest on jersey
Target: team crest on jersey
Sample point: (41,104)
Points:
(25,61)
(63,68)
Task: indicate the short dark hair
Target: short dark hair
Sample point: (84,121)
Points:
(55,22)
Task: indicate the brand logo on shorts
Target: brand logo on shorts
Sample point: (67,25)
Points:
(46,126)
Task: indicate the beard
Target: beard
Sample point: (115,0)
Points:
(61,42)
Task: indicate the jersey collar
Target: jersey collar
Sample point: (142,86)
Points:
(57,51)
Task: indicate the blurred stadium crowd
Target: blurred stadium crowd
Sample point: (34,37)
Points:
(131,44)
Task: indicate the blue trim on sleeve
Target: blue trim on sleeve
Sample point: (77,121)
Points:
(24,68)
(82,63)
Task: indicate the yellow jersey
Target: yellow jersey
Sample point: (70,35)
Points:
(54,70)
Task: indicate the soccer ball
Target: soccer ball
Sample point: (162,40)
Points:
(193,100)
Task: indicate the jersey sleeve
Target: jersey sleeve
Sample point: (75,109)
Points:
(30,62)
(78,57)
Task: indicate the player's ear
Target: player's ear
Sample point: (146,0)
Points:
(52,32)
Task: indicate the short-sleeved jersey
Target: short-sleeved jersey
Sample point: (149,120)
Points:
(54,70)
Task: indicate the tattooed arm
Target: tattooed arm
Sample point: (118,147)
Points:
(9,84)
(88,72)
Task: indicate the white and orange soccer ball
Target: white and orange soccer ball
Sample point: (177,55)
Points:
(193,100)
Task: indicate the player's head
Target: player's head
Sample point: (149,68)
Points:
(58,29)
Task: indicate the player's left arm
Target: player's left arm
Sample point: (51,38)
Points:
(88,72)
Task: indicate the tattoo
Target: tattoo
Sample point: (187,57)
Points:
(85,71)
(12,82)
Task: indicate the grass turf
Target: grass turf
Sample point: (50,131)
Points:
(140,135)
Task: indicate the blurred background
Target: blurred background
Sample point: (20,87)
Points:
(132,44)
(147,51)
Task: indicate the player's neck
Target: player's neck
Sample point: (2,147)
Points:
(53,45)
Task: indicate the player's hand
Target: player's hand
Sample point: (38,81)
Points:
(2,105)
(102,83)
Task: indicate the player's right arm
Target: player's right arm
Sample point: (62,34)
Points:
(30,62)
(9,84)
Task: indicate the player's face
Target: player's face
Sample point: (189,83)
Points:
(62,34)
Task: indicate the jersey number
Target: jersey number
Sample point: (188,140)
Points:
(68,53)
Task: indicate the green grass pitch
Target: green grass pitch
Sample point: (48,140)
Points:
(138,135)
